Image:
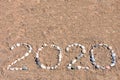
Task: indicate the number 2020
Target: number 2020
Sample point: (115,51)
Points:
(71,63)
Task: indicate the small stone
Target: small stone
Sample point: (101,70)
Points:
(79,45)
(113,55)
(58,48)
(74,61)
(83,67)
(26,54)
(96,45)
(100,44)
(94,63)
(67,49)
(106,45)
(12,48)
(43,66)
(56,66)
(112,51)
(69,46)
(76,44)
(18,44)
(84,51)
(8,67)
(83,47)
(60,59)
(70,65)
(108,67)
(37,55)
(92,59)
(11,69)
(16,68)
(15,62)
(30,51)
(22,57)
(81,55)
(102,67)
(52,68)
(97,66)
(87,68)
(60,56)
(72,45)
(79,67)
(30,47)
(24,68)
(48,68)
(18,59)
(113,64)
(73,68)
(110,47)
(39,49)
(91,50)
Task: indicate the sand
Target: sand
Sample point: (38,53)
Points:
(60,22)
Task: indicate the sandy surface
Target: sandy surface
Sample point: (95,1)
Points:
(61,22)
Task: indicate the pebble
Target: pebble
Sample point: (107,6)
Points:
(79,67)
(108,67)
(74,61)
(24,68)
(113,64)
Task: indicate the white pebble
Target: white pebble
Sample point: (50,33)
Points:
(83,47)
(18,59)
(37,55)
(48,68)
(74,61)
(100,44)
(110,47)
(16,68)
(30,51)
(18,44)
(60,59)
(58,47)
(12,69)
(15,62)
(52,68)
(113,54)
(12,48)
(106,45)
(113,64)
(84,51)
(79,45)
(79,67)
(56,66)
(43,66)
(26,54)
(67,49)
(69,46)
(87,67)
(68,67)
(22,57)
(39,49)
(76,44)
(60,56)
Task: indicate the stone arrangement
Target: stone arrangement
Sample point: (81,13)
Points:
(49,67)
(29,48)
(67,49)
(112,53)
(70,65)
